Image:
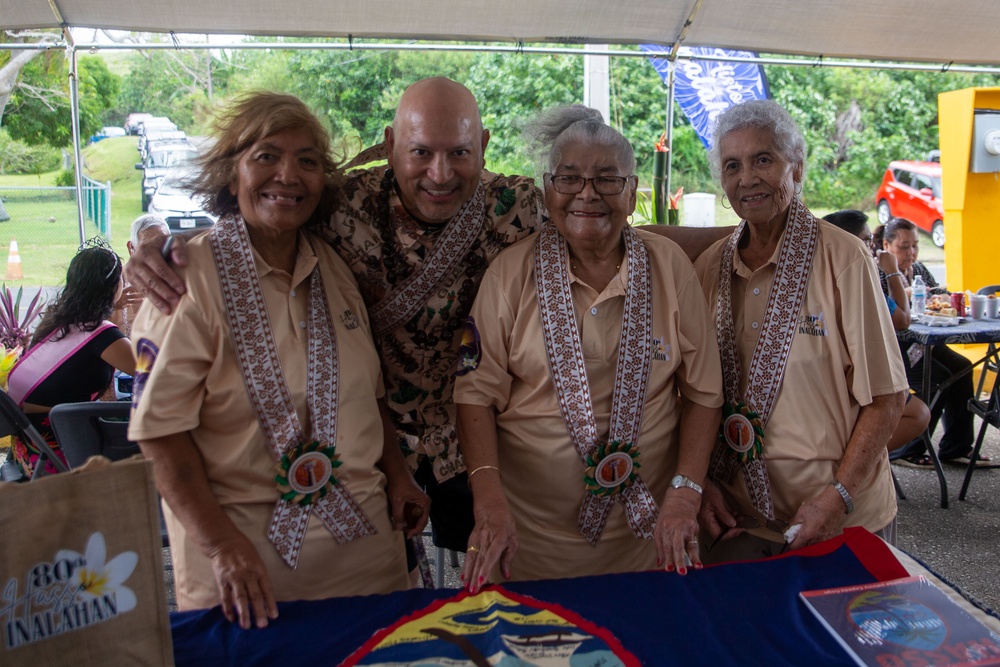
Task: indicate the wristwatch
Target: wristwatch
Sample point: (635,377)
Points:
(681,481)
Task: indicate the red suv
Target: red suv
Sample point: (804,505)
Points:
(912,190)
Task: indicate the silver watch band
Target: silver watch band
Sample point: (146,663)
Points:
(683,481)
(844,494)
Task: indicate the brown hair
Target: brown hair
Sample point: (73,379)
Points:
(249,118)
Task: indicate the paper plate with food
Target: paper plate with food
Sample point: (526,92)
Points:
(939,313)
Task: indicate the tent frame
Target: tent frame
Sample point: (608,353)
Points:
(672,54)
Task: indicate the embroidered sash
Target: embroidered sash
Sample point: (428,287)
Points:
(401,304)
(569,374)
(314,489)
(39,362)
(770,356)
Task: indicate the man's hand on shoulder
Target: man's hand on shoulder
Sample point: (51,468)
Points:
(148,271)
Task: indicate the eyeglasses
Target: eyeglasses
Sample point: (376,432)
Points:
(603,185)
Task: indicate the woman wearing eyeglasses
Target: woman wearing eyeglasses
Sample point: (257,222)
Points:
(74,350)
(581,457)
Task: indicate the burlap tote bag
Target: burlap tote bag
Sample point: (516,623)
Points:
(81,569)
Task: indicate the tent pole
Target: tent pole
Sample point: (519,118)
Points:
(74,101)
(670,131)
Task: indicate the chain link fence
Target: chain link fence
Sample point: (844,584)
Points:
(40,233)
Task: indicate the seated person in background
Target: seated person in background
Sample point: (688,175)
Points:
(146,226)
(899,237)
(74,349)
(590,346)
(916,416)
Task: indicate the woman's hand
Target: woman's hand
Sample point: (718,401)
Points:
(493,540)
(244,585)
(130,298)
(886,262)
(676,532)
(409,506)
(715,516)
(820,518)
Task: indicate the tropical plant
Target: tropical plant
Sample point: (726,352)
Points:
(15,330)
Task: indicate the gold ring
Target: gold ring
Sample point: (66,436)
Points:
(472,550)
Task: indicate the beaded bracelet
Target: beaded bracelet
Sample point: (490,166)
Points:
(897,273)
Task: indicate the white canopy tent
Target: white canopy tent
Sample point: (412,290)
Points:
(944,34)
(941,31)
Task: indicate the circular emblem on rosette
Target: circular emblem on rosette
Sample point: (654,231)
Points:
(305,473)
(611,468)
(742,431)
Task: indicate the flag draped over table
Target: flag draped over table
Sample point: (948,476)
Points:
(733,614)
(705,88)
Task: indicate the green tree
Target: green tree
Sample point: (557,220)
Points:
(13,62)
(357,91)
(180,85)
(512,88)
(39,110)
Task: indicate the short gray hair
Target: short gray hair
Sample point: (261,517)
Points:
(551,130)
(765,115)
(144,222)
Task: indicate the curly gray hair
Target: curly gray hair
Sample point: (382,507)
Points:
(551,130)
(765,115)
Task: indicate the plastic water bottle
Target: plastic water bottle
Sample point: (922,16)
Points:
(918,297)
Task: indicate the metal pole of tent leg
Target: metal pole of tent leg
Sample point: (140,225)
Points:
(74,105)
(926,386)
(670,140)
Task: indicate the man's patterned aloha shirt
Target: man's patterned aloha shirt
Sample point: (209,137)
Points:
(419,358)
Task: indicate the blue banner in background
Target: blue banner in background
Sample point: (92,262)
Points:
(705,88)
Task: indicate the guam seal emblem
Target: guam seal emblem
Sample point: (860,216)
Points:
(305,473)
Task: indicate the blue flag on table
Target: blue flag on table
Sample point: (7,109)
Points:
(705,88)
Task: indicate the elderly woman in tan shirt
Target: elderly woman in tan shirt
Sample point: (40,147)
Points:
(590,386)
(258,400)
(814,383)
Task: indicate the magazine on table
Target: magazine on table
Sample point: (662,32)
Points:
(903,622)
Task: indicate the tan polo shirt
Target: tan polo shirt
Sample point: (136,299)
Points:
(195,385)
(843,354)
(541,469)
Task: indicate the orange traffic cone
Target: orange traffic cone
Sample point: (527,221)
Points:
(14,271)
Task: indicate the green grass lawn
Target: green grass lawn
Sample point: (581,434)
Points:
(45,224)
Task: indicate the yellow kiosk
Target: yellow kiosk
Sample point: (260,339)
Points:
(969,130)
(969,135)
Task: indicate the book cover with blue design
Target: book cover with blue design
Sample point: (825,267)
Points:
(903,622)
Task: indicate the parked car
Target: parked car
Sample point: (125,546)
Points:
(172,201)
(153,138)
(106,132)
(912,190)
(160,161)
(133,120)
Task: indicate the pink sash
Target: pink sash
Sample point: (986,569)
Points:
(39,362)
